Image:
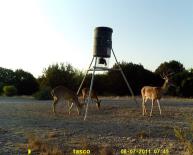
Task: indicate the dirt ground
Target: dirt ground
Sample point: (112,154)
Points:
(118,126)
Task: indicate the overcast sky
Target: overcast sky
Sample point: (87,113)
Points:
(38,33)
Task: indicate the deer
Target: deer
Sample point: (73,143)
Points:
(85,94)
(154,93)
(65,94)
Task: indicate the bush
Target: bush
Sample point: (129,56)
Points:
(25,82)
(7,76)
(187,87)
(10,90)
(1,88)
(43,94)
(185,136)
(61,74)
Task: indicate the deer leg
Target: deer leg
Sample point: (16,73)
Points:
(151,107)
(78,110)
(143,106)
(159,107)
(70,107)
(68,102)
(98,103)
(77,106)
(84,98)
(54,105)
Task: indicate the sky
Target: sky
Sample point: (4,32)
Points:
(37,33)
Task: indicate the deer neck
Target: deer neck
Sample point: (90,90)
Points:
(80,105)
(164,86)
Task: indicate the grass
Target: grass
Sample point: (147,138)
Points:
(185,136)
(119,124)
(106,150)
(39,145)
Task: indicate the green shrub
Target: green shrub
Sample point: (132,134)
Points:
(1,88)
(185,136)
(25,82)
(43,94)
(10,90)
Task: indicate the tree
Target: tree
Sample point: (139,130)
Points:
(187,87)
(60,74)
(7,77)
(171,66)
(136,75)
(177,81)
(25,83)
(100,84)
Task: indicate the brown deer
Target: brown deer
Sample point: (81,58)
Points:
(65,94)
(85,94)
(154,93)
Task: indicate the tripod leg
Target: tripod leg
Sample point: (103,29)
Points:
(128,85)
(84,77)
(91,85)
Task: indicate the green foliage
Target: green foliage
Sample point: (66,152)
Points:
(7,77)
(10,90)
(41,146)
(179,133)
(182,79)
(183,82)
(187,87)
(1,88)
(25,83)
(100,83)
(43,94)
(61,74)
(185,136)
(136,75)
(191,70)
(171,66)
(109,83)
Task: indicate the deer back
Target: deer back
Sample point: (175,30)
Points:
(85,93)
(151,92)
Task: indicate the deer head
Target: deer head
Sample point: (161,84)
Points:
(167,78)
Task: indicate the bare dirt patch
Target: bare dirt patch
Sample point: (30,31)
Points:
(118,125)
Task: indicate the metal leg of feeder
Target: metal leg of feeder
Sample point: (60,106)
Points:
(128,85)
(84,77)
(91,85)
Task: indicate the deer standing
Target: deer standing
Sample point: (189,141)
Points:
(65,94)
(154,93)
(85,94)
